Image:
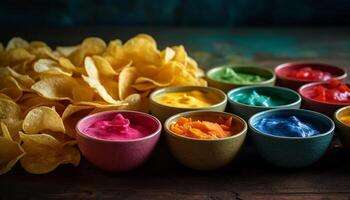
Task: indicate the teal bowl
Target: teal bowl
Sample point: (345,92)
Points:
(288,99)
(292,152)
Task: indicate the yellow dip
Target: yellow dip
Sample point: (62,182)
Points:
(190,99)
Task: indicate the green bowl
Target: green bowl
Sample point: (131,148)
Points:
(203,154)
(342,129)
(227,86)
(292,100)
(162,112)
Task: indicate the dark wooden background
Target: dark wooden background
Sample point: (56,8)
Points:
(161,177)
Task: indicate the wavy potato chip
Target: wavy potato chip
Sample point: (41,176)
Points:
(49,67)
(42,118)
(126,78)
(17,42)
(10,151)
(44,153)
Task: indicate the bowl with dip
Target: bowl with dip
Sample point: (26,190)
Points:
(118,140)
(212,141)
(172,100)
(249,100)
(325,97)
(291,138)
(342,122)
(295,74)
(228,77)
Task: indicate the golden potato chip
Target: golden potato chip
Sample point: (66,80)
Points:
(142,50)
(10,114)
(126,78)
(66,51)
(144,86)
(28,104)
(25,81)
(68,66)
(10,151)
(180,54)
(17,56)
(93,79)
(167,55)
(44,153)
(72,114)
(42,118)
(49,67)
(90,46)
(17,42)
(61,87)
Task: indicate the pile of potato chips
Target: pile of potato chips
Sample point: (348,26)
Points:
(44,92)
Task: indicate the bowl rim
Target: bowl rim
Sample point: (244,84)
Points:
(156,132)
(273,78)
(239,134)
(289,64)
(256,131)
(336,115)
(218,92)
(308,85)
(298,101)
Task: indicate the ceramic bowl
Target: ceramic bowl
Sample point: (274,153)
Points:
(202,154)
(342,129)
(327,108)
(283,80)
(118,155)
(292,152)
(292,100)
(227,86)
(162,112)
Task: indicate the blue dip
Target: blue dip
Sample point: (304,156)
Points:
(290,126)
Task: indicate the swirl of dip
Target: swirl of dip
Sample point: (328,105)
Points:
(191,99)
(230,75)
(307,73)
(119,128)
(332,91)
(345,119)
(255,99)
(286,126)
(202,129)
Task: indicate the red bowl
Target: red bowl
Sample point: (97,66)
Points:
(118,155)
(327,108)
(283,80)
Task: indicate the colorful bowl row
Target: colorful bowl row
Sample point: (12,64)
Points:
(204,154)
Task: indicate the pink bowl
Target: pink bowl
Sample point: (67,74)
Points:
(327,108)
(283,80)
(118,155)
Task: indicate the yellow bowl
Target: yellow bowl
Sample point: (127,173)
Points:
(342,129)
(162,112)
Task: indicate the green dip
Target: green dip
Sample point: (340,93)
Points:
(231,76)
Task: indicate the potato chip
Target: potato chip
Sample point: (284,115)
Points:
(72,114)
(61,87)
(10,151)
(42,118)
(126,78)
(10,114)
(16,42)
(28,104)
(49,67)
(167,55)
(66,51)
(44,153)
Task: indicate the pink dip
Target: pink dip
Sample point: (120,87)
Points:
(119,128)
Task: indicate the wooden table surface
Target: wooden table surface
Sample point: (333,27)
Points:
(161,177)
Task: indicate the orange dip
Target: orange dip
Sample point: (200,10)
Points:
(203,129)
